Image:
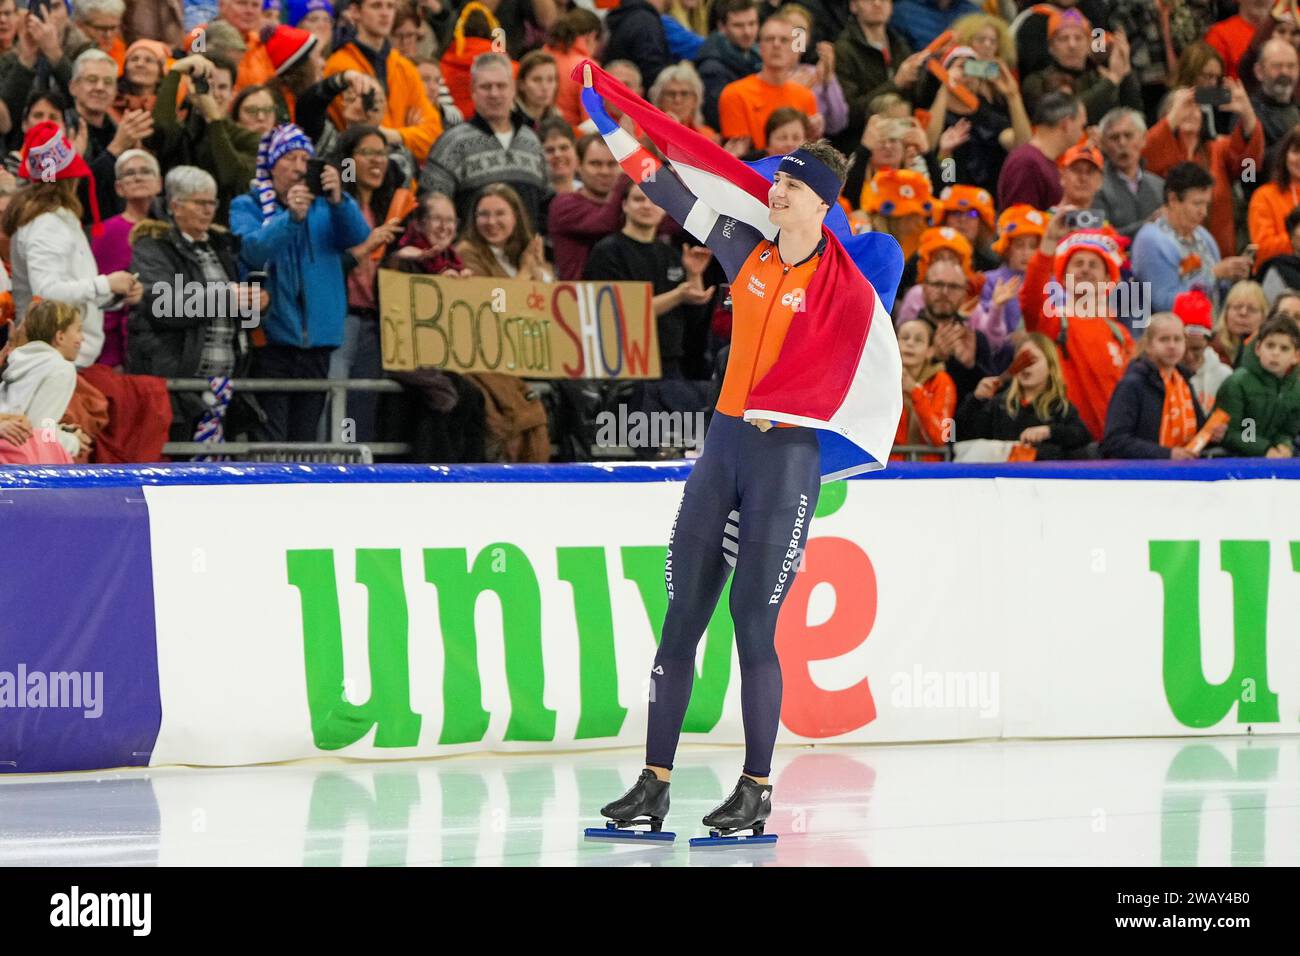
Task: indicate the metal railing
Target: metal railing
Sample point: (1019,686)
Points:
(336,408)
(337,449)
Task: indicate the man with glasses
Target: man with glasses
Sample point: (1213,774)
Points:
(496,145)
(964,351)
(93,87)
(101,22)
(744,106)
(1129,194)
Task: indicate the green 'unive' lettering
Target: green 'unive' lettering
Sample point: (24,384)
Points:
(515,584)
(1192,699)
(336,722)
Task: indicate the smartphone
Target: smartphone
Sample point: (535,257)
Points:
(1215,96)
(1249,253)
(71,122)
(981,69)
(369,101)
(1084,219)
(315,169)
(200,84)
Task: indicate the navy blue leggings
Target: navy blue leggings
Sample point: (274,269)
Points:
(747,505)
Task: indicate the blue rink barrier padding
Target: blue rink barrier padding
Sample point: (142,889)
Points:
(78,628)
(119,476)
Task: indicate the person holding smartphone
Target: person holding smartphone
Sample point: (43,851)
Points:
(297,224)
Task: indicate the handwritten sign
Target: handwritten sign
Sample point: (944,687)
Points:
(518,327)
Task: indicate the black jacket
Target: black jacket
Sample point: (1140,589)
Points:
(1135,412)
(721,62)
(159,343)
(637,34)
(988,418)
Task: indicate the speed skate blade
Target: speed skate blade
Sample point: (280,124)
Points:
(611,832)
(718,841)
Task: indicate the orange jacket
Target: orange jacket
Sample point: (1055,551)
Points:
(409,110)
(568,94)
(765,295)
(1267,220)
(745,105)
(256,68)
(1223,158)
(933,404)
(1095,353)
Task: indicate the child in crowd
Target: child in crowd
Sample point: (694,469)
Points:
(1154,412)
(39,376)
(929,393)
(1029,407)
(1262,398)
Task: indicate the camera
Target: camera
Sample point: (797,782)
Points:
(981,69)
(200,84)
(1084,219)
(369,101)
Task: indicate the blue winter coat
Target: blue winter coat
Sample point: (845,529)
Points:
(304,266)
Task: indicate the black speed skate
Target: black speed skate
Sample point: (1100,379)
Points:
(747,808)
(646,802)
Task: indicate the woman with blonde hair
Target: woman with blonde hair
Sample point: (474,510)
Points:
(499,240)
(987,35)
(1244,311)
(1028,407)
(679,92)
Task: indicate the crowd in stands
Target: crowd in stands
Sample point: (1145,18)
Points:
(1098,203)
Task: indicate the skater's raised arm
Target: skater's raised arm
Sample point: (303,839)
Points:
(730,240)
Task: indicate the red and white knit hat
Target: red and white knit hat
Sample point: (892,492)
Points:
(286,46)
(1089,240)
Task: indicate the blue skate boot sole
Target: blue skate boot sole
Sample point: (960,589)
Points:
(612,831)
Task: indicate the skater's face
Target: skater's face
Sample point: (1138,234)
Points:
(791,202)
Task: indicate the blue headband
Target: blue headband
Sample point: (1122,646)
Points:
(807,168)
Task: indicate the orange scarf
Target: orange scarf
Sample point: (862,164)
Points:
(1178,417)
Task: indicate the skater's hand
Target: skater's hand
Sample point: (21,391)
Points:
(594,104)
(762,424)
